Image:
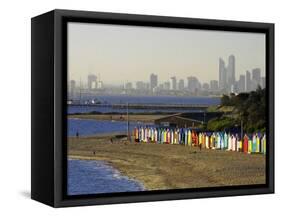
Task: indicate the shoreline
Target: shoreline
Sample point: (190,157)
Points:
(83,158)
(164,166)
(147,118)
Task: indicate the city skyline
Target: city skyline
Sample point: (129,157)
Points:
(133,53)
(226,84)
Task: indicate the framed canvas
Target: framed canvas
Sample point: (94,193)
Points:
(134,108)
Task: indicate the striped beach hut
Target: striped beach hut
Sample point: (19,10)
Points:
(211,141)
(207,140)
(221,140)
(185,136)
(254,148)
(189,140)
(172,136)
(245,143)
(196,139)
(229,142)
(258,136)
(263,144)
(250,145)
(204,140)
(200,139)
(168,136)
(239,145)
(224,140)
(218,140)
(155,135)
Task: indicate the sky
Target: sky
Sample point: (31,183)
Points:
(119,53)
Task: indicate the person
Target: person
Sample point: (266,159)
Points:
(77,134)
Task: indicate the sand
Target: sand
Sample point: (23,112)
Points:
(168,166)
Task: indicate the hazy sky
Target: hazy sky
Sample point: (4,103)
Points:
(119,53)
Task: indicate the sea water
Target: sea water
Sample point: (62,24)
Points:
(88,127)
(123,99)
(96,177)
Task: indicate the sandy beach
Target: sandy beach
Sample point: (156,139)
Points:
(167,166)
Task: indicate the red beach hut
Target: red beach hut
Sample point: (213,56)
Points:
(245,144)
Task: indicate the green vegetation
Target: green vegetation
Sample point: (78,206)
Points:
(219,124)
(248,108)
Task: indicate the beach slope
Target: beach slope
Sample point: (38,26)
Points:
(167,166)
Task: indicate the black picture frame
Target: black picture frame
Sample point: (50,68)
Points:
(48,69)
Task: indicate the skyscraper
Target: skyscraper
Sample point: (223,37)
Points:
(181,84)
(128,86)
(173,83)
(256,77)
(140,85)
(193,84)
(241,84)
(99,85)
(231,71)
(72,89)
(167,85)
(92,81)
(222,75)
(214,85)
(248,81)
(153,81)
(205,86)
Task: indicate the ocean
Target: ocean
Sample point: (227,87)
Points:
(93,127)
(96,177)
(123,99)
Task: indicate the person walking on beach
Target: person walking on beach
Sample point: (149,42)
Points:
(77,134)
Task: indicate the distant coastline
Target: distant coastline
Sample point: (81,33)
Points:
(146,118)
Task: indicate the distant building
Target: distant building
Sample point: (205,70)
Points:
(193,84)
(206,87)
(140,85)
(248,81)
(99,85)
(263,82)
(256,78)
(214,85)
(242,84)
(181,84)
(173,83)
(147,85)
(128,86)
(72,89)
(222,75)
(167,85)
(153,81)
(231,71)
(92,82)
(161,86)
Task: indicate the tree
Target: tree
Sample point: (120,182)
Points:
(248,107)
